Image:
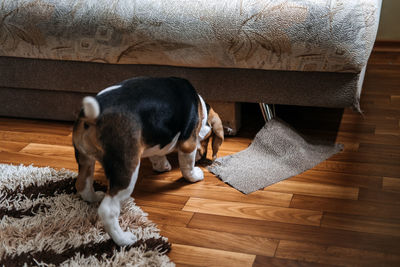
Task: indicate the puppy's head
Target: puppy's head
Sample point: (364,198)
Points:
(216,135)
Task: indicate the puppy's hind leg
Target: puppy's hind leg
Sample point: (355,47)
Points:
(122,177)
(187,158)
(84,182)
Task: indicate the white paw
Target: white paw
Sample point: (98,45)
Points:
(93,196)
(125,239)
(195,175)
(161,166)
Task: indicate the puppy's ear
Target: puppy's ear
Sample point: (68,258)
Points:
(218,132)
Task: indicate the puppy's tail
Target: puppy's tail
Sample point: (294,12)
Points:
(91,107)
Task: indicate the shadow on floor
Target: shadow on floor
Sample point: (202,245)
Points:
(314,122)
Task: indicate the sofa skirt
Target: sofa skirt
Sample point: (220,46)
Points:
(51,89)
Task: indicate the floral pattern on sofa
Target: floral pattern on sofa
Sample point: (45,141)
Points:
(296,35)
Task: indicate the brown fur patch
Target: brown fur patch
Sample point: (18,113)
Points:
(189,145)
(115,141)
(216,134)
(87,149)
(85,138)
(120,138)
(218,131)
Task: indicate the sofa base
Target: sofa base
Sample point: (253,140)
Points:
(40,104)
(48,89)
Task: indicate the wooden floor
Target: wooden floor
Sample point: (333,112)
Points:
(345,211)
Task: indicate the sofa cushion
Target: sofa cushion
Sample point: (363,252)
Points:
(305,35)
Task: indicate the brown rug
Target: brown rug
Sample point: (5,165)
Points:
(277,153)
(43,222)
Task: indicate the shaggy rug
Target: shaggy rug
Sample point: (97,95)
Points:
(277,152)
(43,222)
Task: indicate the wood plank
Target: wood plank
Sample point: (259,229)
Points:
(170,202)
(376,195)
(378,103)
(265,261)
(363,224)
(196,256)
(231,145)
(385,63)
(391,184)
(10,146)
(168,217)
(387,110)
(35,138)
(35,126)
(391,149)
(388,131)
(334,255)
(357,128)
(375,99)
(360,168)
(47,150)
(313,189)
(174,177)
(350,146)
(367,138)
(38,161)
(377,84)
(383,47)
(220,240)
(351,207)
(206,191)
(296,232)
(337,178)
(373,158)
(395,100)
(373,119)
(168,183)
(253,211)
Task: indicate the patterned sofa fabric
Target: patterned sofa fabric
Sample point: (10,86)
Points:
(296,35)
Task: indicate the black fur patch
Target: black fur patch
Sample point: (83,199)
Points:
(162,106)
(208,107)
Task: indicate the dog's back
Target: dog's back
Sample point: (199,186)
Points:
(163,107)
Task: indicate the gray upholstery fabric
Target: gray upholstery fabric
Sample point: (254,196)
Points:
(297,35)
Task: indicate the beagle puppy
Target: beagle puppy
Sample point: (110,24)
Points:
(140,118)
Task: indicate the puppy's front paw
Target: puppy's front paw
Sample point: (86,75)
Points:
(125,239)
(195,175)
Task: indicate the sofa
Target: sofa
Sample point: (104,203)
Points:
(292,52)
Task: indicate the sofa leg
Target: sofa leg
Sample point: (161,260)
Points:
(268,111)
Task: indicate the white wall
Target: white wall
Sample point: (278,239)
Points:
(389,25)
